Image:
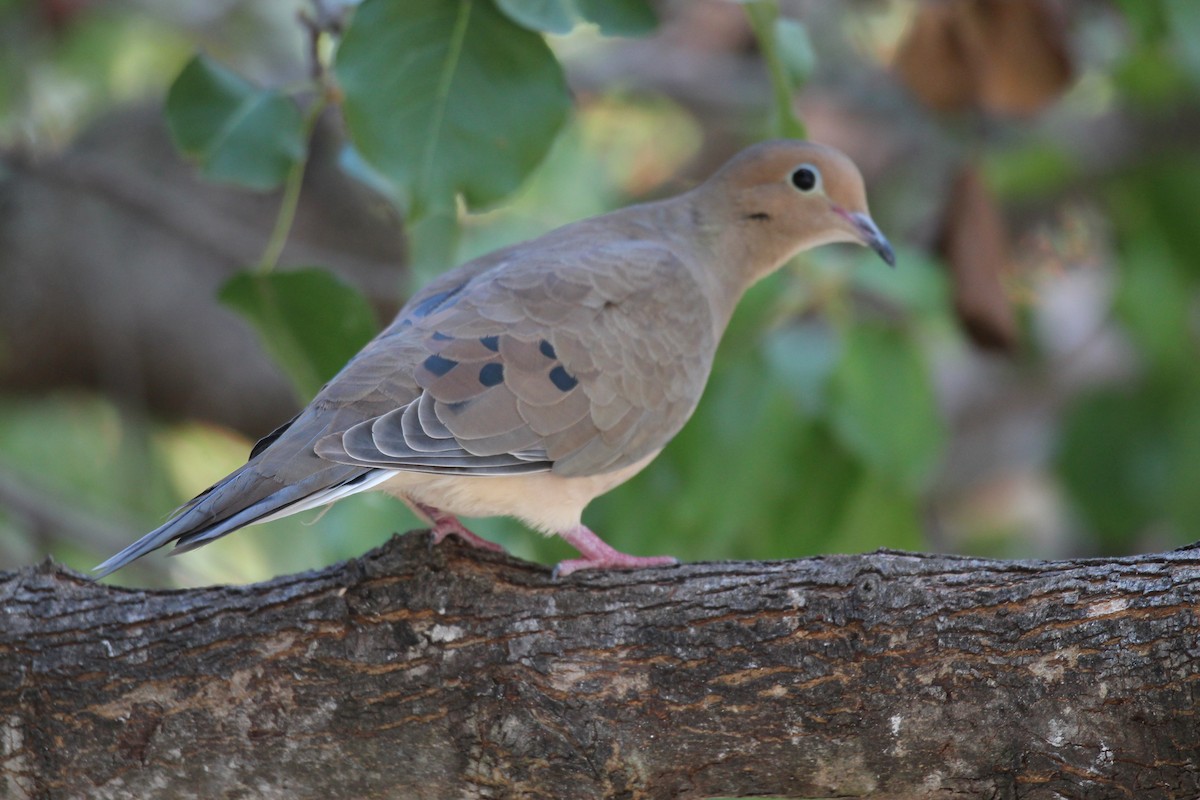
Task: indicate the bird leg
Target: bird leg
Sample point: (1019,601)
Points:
(597,554)
(448,525)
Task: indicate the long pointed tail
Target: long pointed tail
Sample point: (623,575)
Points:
(244,498)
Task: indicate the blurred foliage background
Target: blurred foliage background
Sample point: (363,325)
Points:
(191,243)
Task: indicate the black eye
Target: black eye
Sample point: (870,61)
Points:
(805,178)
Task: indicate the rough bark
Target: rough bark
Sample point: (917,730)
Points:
(451,673)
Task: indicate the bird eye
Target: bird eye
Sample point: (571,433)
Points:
(806,178)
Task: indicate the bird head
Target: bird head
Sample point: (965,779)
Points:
(787,196)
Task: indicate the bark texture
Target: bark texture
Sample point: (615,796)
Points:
(452,673)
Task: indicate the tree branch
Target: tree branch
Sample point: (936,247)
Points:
(456,673)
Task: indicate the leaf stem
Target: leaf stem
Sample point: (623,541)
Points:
(291,194)
(762,15)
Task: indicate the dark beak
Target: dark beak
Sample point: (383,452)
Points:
(872,238)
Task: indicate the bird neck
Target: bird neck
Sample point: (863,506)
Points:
(681,224)
(726,256)
(734,251)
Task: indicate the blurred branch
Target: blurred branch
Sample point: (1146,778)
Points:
(114,251)
(54,520)
(425,673)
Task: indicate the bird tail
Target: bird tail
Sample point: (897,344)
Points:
(243,498)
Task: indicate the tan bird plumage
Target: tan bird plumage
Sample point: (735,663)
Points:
(530,380)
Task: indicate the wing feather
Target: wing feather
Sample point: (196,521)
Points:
(549,359)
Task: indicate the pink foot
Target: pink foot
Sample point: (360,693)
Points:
(448,525)
(598,555)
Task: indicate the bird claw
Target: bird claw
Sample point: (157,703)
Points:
(437,535)
(567,567)
(598,554)
(448,525)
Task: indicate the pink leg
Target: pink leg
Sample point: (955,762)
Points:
(598,555)
(448,525)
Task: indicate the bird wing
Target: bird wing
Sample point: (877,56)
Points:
(551,359)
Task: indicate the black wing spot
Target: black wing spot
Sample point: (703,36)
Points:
(759,216)
(491,374)
(438,336)
(439,365)
(562,379)
(435,301)
(547,349)
(491,343)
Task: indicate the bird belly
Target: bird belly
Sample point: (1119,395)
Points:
(545,501)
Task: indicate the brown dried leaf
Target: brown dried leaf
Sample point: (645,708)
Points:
(934,61)
(1003,56)
(974,242)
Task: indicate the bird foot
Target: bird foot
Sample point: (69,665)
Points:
(449,525)
(599,555)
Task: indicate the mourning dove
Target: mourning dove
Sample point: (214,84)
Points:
(530,380)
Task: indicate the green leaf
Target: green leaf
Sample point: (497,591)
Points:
(920,287)
(878,513)
(1147,18)
(1183,17)
(238,132)
(804,356)
(1151,79)
(1183,501)
(620,17)
(449,97)
(1154,302)
(309,321)
(1034,170)
(1159,200)
(1115,459)
(612,17)
(795,50)
(357,167)
(433,242)
(819,484)
(882,405)
(548,16)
